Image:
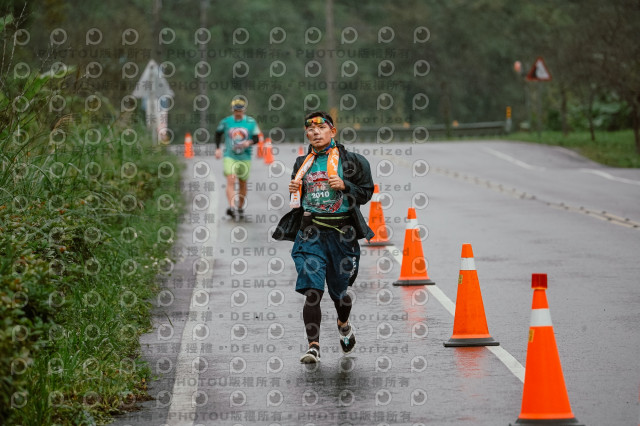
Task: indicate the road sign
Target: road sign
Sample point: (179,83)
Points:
(151,83)
(539,71)
(152,86)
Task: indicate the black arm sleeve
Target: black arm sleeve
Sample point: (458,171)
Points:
(218,139)
(255,139)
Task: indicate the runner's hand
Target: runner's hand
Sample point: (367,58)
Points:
(294,186)
(218,153)
(336,183)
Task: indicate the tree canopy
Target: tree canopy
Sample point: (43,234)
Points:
(418,63)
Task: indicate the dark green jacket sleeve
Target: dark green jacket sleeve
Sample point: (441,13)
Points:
(359,183)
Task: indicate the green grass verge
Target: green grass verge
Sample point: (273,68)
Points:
(83,219)
(616,149)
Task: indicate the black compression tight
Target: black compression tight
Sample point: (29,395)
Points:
(312,315)
(343,308)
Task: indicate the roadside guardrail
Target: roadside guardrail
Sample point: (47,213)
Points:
(388,134)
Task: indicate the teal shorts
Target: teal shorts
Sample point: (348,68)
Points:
(325,255)
(239,168)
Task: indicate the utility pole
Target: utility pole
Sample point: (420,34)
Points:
(155,33)
(204,5)
(330,59)
(538,73)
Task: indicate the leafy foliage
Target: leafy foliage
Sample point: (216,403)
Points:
(78,251)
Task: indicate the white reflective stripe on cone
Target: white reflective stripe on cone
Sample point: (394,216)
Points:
(540,318)
(412,224)
(375,198)
(467,264)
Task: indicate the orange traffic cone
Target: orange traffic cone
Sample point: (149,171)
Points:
(260,150)
(545,399)
(300,150)
(469,323)
(188,146)
(268,153)
(414,266)
(376,221)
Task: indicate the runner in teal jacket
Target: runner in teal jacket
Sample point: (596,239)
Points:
(328,186)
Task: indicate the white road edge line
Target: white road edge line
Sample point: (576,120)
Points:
(527,166)
(505,357)
(610,177)
(182,406)
(511,159)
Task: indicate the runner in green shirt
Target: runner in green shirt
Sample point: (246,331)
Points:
(240,132)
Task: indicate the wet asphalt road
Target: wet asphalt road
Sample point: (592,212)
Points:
(229,331)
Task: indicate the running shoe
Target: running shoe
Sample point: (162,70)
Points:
(347,338)
(231,213)
(311,356)
(240,213)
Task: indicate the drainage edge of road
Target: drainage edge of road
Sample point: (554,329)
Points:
(516,193)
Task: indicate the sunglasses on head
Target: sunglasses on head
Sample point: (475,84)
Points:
(317,120)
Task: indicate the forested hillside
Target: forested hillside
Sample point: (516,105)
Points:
(416,63)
